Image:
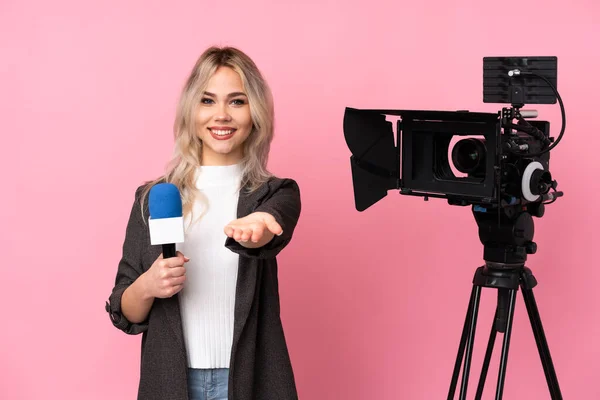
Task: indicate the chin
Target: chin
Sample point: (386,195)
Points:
(222,151)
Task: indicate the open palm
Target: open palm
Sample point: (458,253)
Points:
(255,227)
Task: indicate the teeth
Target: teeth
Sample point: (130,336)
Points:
(222,133)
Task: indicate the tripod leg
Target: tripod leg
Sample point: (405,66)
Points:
(542,344)
(470,340)
(499,325)
(506,343)
(461,347)
(486,362)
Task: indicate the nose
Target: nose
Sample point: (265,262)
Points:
(222,113)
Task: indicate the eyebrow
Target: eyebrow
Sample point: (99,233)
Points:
(234,94)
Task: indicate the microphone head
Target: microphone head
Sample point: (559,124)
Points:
(164,201)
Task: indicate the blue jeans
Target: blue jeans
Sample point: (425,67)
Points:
(208,384)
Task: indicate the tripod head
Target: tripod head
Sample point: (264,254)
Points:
(507,234)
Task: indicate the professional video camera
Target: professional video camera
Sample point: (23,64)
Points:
(499,165)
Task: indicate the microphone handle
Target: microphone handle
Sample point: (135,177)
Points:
(169,250)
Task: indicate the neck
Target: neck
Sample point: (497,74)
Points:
(212,159)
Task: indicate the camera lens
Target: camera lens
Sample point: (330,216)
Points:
(468,156)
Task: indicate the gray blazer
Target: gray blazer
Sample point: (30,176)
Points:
(260,367)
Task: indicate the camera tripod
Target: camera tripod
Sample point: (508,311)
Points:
(507,241)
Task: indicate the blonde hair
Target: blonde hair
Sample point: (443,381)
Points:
(188,147)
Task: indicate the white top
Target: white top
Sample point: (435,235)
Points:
(207,300)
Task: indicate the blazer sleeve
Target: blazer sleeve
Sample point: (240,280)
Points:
(129,269)
(282,202)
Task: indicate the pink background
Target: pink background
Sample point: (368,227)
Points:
(373,303)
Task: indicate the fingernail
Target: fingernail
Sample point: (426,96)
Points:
(280,233)
(186,259)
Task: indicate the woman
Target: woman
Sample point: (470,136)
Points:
(210,316)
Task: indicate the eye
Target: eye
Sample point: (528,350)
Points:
(238,102)
(206,100)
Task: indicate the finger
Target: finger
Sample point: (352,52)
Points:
(237,234)
(246,234)
(229,230)
(173,262)
(258,233)
(178,280)
(177,289)
(172,290)
(176,271)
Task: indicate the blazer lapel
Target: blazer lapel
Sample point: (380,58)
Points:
(247,271)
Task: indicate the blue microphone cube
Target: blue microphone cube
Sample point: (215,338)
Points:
(166,216)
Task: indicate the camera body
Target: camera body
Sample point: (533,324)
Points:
(492,160)
(486,166)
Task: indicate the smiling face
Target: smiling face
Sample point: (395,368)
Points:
(223,119)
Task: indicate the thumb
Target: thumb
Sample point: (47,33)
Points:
(273,226)
(180,254)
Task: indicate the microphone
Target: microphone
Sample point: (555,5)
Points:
(166,218)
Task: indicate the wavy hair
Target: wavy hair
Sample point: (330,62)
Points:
(187,152)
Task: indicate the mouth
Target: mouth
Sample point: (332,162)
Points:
(222,133)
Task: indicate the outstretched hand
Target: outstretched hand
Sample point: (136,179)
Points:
(253,230)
